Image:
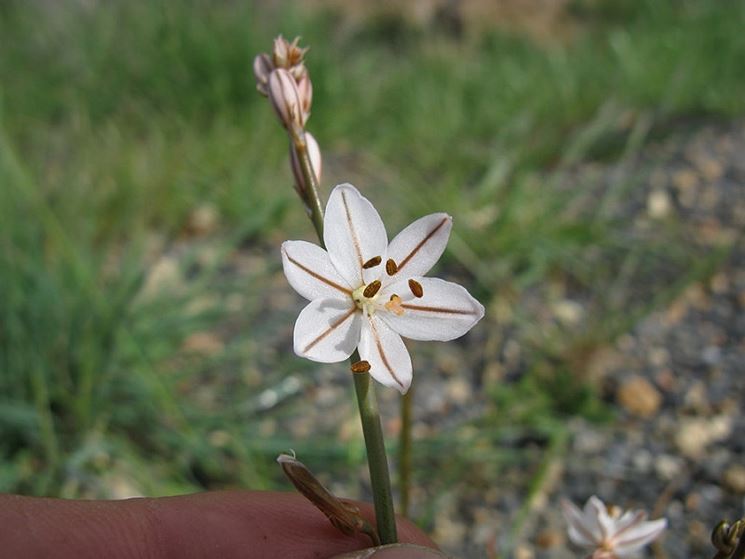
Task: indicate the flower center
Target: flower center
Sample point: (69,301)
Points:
(364,297)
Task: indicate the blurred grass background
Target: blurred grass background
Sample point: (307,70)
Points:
(144,192)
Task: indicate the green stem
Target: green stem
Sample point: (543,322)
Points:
(377,460)
(404,451)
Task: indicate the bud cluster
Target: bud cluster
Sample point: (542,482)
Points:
(284,79)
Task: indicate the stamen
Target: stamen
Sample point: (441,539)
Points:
(374,261)
(390,267)
(371,289)
(416,288)
(361,366)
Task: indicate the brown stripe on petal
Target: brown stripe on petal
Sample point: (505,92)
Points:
(423,242)
(331,328)
(416,288)
(382,354)
(443,310)
(374,261)
(355,239)
(318,276)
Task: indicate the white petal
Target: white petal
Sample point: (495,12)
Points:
(638,536)
(353,234)
(327,330)
(390,363)
(579,532)
(629,518)
(445,311)
(596,517)
(418,247)
(606,523)
(309,270)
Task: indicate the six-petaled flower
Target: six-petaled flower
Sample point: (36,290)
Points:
(366,293)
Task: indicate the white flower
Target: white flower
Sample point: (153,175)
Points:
(611,534)
(366,293)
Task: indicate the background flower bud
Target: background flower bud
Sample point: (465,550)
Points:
(262,68)
(285,98)
(314,152)
(280,52)
(305,90)
(287,55)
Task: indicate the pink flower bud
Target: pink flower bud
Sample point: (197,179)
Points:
(285,98)
(262,68)
(286,55)
(281,51)
(305,90)
(314,152)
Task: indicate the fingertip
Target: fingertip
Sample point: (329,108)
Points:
(232,524)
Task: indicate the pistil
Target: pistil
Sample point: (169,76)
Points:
(394,305)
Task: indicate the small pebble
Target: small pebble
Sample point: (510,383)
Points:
(734,478)
(639,397)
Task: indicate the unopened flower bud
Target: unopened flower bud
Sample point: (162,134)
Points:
(285,98)
(286,55)
(297,71)
(305,90)
(262,68)
(314,153)
(280,52)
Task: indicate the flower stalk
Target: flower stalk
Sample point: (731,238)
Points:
(362,302)
(404,451)
(377,460)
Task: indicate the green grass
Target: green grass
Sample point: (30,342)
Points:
(118,119)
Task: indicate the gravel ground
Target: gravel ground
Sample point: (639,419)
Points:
(676,377)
